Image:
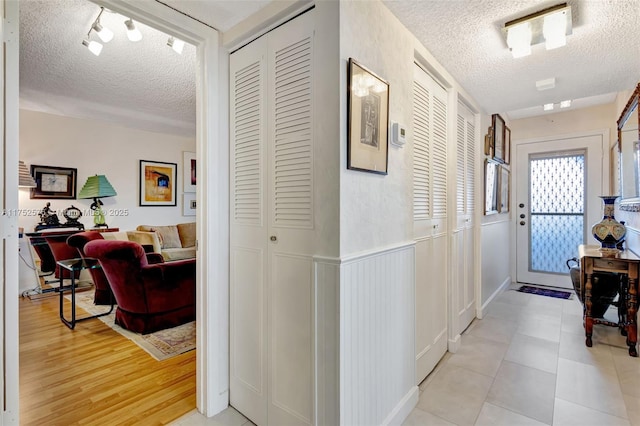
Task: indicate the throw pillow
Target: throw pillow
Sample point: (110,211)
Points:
(169,237)
(187,232)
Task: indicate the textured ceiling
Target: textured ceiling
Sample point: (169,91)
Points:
(143,84)
(602,56)
(147,85)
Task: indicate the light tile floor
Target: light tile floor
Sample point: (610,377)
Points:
(524,364)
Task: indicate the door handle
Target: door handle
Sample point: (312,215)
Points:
(522,223)
(273,238)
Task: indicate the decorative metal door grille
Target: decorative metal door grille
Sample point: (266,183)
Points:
(557,210)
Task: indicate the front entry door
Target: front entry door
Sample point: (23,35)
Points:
(557,187)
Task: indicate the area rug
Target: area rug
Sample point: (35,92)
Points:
(559,294)
(161,345)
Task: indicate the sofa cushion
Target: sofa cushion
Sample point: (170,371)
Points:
(187,232)
(168,235)
(170,255)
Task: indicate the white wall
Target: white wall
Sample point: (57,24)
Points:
(95,147)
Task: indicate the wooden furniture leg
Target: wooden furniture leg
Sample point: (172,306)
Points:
(632,309)
(588,320)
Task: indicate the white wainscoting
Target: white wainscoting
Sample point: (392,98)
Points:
(377,336)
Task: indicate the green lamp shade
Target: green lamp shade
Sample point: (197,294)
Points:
(97,187)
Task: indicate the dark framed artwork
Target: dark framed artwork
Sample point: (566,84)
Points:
(491,185)
(189,171)
(54,182)
(504,189)
(157,183)
(497,123)
(507,145)
(368,118)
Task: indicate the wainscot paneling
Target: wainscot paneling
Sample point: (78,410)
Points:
(377,336)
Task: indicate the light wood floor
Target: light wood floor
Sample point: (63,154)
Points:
(93,375)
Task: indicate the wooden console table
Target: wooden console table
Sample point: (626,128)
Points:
(625,262)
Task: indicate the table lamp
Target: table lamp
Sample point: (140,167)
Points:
(97,187)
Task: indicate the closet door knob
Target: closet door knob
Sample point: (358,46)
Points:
(273,238)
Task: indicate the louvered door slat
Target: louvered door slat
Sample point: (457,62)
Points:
(460,164)
(248,151)
(292,135)
(421,181)
(439,159)
(471,169)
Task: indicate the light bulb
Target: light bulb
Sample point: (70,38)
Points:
(133,33)
(105,34)
(93,46)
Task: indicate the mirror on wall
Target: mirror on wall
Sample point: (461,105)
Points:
(629,146)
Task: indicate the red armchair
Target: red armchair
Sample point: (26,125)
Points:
(149,297)
(103,291)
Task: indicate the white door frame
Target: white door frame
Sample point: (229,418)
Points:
(9,377)
(212,150)
(518,175)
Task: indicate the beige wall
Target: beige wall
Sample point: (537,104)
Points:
(95,147)
(594,118)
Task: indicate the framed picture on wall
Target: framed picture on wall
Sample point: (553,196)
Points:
(507,145)
(189,171)
(54,182)
(491,184)
(497,124)
(368,118)
(504,189)
(188,204)
(157,183)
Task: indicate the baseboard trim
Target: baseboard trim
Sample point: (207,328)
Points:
(401,411)
(483,310)
(454,344)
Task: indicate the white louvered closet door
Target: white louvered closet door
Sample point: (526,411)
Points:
(430,220)
(272,239)
(464,262)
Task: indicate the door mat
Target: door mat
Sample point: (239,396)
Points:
(559,294)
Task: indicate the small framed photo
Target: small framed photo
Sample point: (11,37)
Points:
(368,118)
(497,123)
(504,189)
(157,183)
(189,204)
(491,185)
(189,171)
(507,145)
(54,182)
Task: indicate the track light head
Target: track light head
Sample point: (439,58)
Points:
(105,34)
(176,44)
(93,46)
(133,33)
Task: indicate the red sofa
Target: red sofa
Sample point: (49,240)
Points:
(149,297)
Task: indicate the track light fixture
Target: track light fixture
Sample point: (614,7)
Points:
(176,44)
(105,34)
(133,33)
